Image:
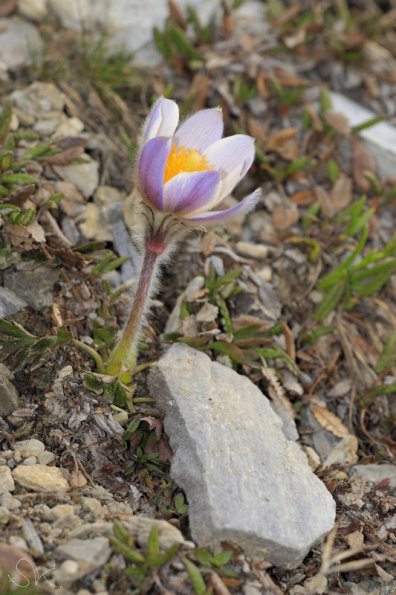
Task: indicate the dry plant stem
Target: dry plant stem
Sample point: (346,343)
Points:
(123,357)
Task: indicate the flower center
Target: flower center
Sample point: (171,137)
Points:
(181,159)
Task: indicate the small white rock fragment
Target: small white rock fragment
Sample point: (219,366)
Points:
(33,9)
(29,448)
(252,250)
(9,501)
(40,478)
(95,551)
(6,480)
(46,457)
(30,461)
(85,175)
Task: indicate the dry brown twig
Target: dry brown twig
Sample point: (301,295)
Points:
(331,563)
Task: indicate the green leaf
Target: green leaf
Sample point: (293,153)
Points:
(324,100)
(337,274)
(387,359)
(182,44)
(196,580)
(331,300)
(168,555)
(368,123)
(18,179)
(222,558)
(229,349)
(120,532)
(153,547)
(132,427)
(203,557)
(5,120)
(333,170)
(132,555)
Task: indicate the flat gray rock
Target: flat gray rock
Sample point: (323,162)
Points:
(374,473)
(9,398)
(129,23)
(10,303)
(33,284)
(245,482)
(20,43)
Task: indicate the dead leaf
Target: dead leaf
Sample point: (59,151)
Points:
(280,137)
(66,156)
(256,129)
(315,118)
(325,202)
(7,7)
(288,78)
(199,90)
(355,540)
(176,15)
(244,320)
(262,85)
(339,122)
(154,424)
(295,39)
(362,160)
(77,479)
(285,215)
(303,198)
(341,193)
(209,243)
(386,577)
(329,421)
(284,144)
(37,232)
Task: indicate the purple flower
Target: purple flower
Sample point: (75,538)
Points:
(188,170)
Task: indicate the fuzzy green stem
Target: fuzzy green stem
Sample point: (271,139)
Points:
(94,354)
(123,357)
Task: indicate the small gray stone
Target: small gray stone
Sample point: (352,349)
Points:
(252,250)
(85,175)
(38,99)
(10,303)
(243,480)
(46,457)
(376,473)
(6,480)
(94,551)
(34,284)
(8,501)
(29,448)
(4,515)
(9,398)
(32,538)
(20,42)
(30,461)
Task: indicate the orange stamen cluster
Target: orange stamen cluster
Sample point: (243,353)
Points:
(181,159)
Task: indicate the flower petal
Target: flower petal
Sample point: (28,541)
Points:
(233,157)
(151,167)
(200,130)
(189,192)
(162,120)
(246,205)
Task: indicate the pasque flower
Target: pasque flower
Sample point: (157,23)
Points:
(183,174)
(188,170)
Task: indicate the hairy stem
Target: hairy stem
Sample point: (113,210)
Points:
(123,357)
(94,354)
